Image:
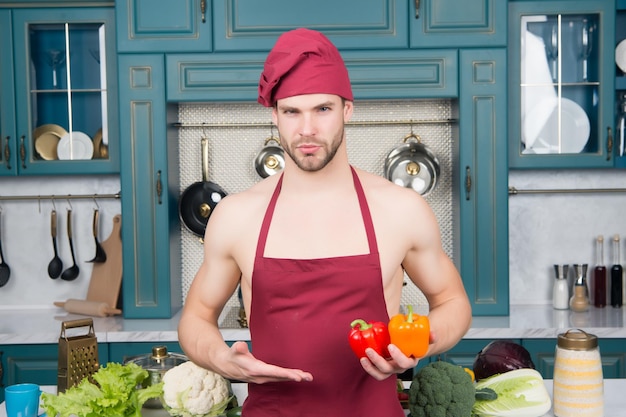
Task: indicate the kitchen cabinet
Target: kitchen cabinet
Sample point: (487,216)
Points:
(34,363)
(164,26)
(611,350)
(454,24)
(562,81)
(250,25)
(374,75)
(482,180)
(149,180)
(620,79)
(59,91)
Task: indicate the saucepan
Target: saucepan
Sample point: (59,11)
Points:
(199,199)
(413,165)
(270,159)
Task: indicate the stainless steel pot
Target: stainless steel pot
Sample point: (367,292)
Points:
(270,159)
(413,165)
(157,364)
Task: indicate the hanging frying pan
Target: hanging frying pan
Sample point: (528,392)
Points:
(413,165)
(199,199)
(271,159)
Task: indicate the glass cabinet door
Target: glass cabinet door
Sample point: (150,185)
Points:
(562,93)
(64,97)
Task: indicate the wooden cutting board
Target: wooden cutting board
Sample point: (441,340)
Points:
(106,277)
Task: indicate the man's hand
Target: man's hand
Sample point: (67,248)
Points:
(381,368)
(250,369)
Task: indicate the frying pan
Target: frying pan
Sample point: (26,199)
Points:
(270,160)
(413,165)
(199,199)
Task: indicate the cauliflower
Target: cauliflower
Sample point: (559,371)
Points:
(192,391)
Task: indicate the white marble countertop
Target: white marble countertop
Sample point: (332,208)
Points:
(37,326)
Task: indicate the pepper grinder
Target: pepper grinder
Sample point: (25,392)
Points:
(580,299)
(560,292)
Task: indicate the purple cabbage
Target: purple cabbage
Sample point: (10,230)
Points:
(501,356)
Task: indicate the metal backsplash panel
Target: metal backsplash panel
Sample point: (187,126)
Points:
(232,150)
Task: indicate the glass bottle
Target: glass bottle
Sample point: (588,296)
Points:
(578,383)
(599,275)
(616,275)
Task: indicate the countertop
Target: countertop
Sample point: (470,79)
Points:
(37,326)
(614,400)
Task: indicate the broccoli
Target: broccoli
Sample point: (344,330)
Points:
(441,389)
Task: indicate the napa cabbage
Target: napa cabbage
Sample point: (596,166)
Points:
(521,393)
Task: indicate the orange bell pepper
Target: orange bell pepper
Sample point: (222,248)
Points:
(410,333)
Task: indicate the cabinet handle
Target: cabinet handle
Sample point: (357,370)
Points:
(7,155)
(609,143)
(203,10)
(417,9)
(23,151)
(468,182)
(159,187)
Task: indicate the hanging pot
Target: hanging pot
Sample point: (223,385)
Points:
(199,199)
(270,159)
(413,165)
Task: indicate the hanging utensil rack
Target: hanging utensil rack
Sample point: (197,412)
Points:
(60,197)
(517,191)
(350,123)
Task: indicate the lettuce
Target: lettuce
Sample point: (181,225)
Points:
(115,393)
(521,393)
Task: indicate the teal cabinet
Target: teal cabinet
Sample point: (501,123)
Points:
(34,363)
(250,25)
(481,178)
(562,75)
(374,75)
(59,91)
(150,226)
(620,81)
(450,23)
(7,97)
(164,25)
(611,350)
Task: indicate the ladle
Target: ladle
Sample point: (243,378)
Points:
(101,255)
(71,273)
(5,271)
(55,267)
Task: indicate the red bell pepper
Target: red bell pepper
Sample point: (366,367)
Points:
(369,335)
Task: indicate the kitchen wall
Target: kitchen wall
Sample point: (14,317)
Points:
(544,228)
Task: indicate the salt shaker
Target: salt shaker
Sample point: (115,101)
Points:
(560,291)
(578,388)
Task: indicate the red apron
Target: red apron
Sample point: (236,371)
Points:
(301,315)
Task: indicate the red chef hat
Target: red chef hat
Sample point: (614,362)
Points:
(303,61)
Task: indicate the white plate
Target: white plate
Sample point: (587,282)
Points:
(75,145)
(575,127)
(620,55)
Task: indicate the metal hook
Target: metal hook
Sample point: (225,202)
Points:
(54,205)
(39,203)
(96,201)
(204,130)
(69,202)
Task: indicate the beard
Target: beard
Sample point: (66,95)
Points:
(321,157)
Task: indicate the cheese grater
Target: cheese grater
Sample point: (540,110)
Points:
(78,355)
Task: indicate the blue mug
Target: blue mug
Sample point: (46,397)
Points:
(22,400)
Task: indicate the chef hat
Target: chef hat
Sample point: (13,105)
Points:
(303,61)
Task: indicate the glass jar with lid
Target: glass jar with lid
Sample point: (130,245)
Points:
(578,389)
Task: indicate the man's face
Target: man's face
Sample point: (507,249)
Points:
(311,128)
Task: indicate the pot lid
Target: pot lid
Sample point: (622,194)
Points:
(160,358)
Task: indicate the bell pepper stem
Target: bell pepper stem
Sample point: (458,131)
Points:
(409,316)
(363,325)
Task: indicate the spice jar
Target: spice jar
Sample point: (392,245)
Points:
(578,389)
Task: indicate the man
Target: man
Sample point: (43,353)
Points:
(315,247)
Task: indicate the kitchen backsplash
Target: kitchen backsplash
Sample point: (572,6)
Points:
(238,133)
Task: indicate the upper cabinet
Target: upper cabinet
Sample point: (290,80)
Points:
(562,83)
(164,26)
(59,93)
(453,23)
